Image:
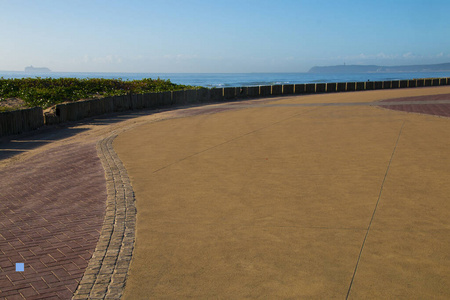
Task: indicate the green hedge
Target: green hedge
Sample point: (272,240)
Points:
(46,92)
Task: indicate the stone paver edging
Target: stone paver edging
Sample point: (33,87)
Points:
(106,273)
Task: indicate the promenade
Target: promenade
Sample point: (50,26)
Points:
(326,196)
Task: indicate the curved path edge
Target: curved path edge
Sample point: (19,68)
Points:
(107,270)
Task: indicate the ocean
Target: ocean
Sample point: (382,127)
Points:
(211,80)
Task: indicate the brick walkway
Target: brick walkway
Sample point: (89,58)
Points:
(436,108)
(51,212)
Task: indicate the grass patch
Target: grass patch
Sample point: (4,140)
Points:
(46,92)
(3,108)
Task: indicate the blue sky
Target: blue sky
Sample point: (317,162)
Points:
(167,36)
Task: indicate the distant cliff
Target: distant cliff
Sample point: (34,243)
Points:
(32,69)
(380,69)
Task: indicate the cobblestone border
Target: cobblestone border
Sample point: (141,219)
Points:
(107,270)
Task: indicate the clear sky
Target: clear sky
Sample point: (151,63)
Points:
(167,36)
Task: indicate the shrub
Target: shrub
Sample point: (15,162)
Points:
(46,92)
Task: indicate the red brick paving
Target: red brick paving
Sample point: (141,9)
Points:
(441,109)
(420,98)
(51,212)
(430,109)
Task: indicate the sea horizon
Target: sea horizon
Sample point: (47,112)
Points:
(211,80)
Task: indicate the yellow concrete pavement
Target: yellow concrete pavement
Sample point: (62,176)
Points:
(324,202)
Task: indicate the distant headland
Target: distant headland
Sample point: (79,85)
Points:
(380,69)
(32,69)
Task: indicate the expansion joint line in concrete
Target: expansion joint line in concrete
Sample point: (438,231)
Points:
(233,139)
(107,270)
(374,210)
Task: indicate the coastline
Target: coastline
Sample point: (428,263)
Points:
(15,122)
(213,80)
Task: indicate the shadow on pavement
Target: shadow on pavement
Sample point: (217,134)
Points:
(17,144)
